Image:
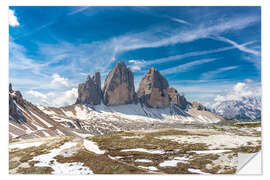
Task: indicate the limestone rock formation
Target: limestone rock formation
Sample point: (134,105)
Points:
(177,99)
(119,86)
(90,91)
(199,106)
(15,113)
(153,89)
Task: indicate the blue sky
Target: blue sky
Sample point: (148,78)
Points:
(204,52)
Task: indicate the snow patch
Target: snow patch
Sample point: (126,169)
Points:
(42,120)
(173,162)
(60,132)
(215,141)
(45,133)
(25,145)
(47,160)
(92,146)
(198,171)
(154,151)
(82,135)
(211,151)
(151,168)
(143,160)
(115,157)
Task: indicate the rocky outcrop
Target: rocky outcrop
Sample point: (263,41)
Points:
(177,99)
(119,86)
(90,91)
(199,106)
(15,114)
(153,90)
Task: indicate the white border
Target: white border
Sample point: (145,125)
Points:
(138,2)
(4,74)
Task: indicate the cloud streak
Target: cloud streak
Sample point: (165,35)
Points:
(238,46)
(212,74)
(144,63)
(137,41)
(187,66)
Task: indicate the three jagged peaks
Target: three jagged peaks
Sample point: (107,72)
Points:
(154,90)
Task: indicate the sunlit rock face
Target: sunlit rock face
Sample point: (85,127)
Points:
(177,99)
(90,91)
(119,86)
(153,90)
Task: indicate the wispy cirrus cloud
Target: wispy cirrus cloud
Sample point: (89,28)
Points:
(238,46)
(13,20)
(140,64)
(180,21)
(187,66)
(137,41)
(214,73)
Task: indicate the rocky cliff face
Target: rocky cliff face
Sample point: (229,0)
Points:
(15,114)
(153,90)
(177,99)
(119,86)
(199,106)
(90,91)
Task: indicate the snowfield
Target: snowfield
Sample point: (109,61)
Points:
(101,119)
(173,162)
(47,160)
(216,141)
(25,145)
(91,146)
(144,150)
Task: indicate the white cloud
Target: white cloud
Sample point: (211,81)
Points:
(57,99)
(77,10)
(239,90)
(136,65)
(180,21)
(59,81)
(84,74)
(238,46)
(186,55)
(36,94)
(187,66)
(66,98)
(12,19)
(214,73)
(138,41)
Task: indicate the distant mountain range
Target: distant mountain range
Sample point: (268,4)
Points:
(247,108)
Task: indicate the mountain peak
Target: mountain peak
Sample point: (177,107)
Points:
(244,108)
(119,86)
(90,91)
(153,89)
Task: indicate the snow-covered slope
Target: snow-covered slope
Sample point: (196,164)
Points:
(28,121)
(100,119)
(246,108)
